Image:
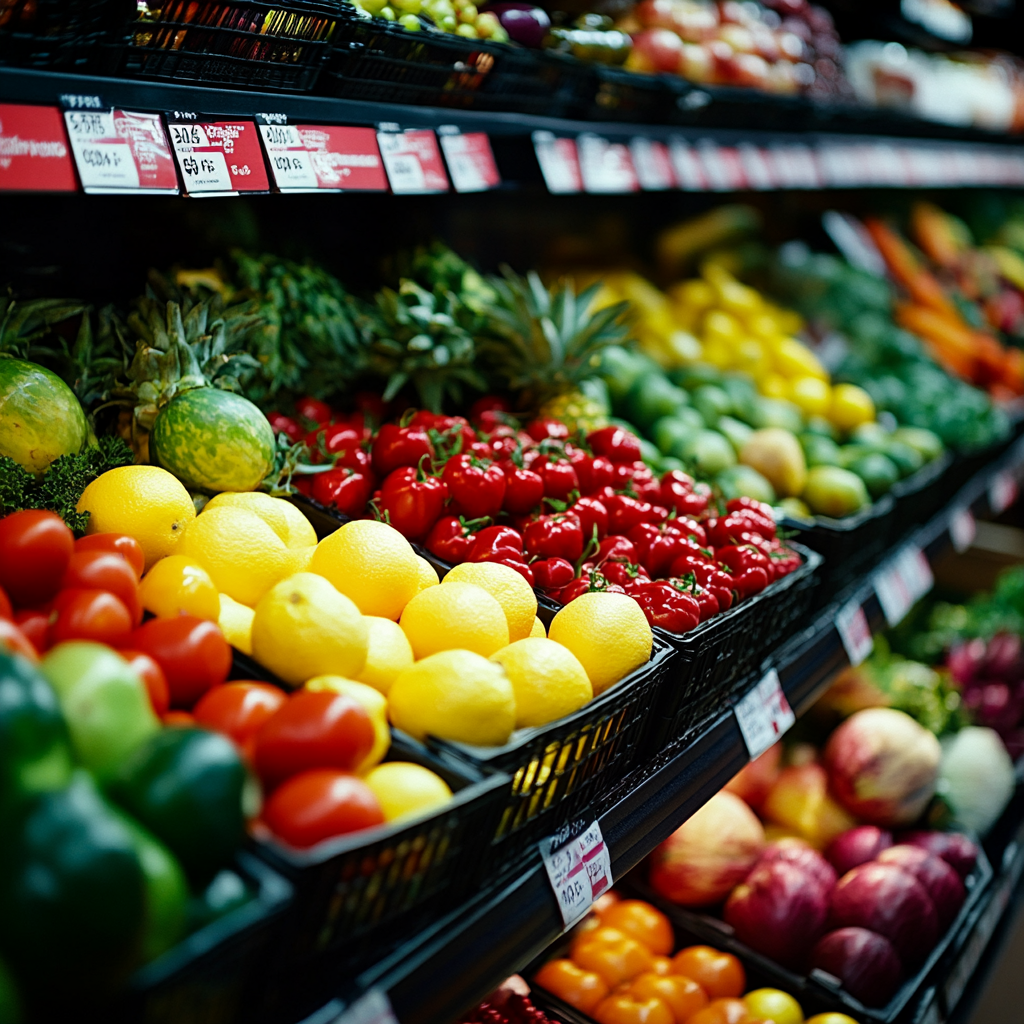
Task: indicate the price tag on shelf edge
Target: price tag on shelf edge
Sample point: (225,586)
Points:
(219,157)
(607,166)
(289,161)
(653,164)
(854,631)
(413,161)
(1002,492)
(372,1008)
(962,529)
(902,582)
(579,871)
(34,153)
(470,160)
(764,715)
(559,163)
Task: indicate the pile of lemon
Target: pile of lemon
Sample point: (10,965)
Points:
(465,659)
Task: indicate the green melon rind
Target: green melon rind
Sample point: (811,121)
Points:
(213,440)
(40,417)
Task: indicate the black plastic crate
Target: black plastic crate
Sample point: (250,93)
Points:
(919,496)
(538,82)
(817,992)
(621,95)
(55,34)
(259,45)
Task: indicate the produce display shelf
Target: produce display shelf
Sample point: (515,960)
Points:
(458,960)
(730,153)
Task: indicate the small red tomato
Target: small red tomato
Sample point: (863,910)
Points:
(153,676)
(116,543)
(346,489)
(15,641)
(34,551)
(310,408)
(312,730)
(90,614)
(6,611)
(192,652)
(35,624)
(281,424)
(319,804)
(238,709)
(103,570)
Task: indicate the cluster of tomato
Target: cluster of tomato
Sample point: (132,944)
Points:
(571,515)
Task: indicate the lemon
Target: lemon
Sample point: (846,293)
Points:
(388,653)
(851,406)
(773,385)
(608,633)
(371,563)
(456,695)
(304,628)
(294,529)
(507,587)
(427,573)
(538,628)
(235,621)
(177,585)
(146,502)
(812,394)
(242,554)
(548,680)
(405,789)
(454,616)
(376,707)
(794,359)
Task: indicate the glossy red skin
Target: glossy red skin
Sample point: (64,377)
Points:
(939,879)
(740,557)
(348,490)
(857,846)
(412,500)
(450,539)
(625,574)
(281,424)
(476,486)
(34,550)
(615,444)
(14,640)
(239,709)
(395,446)
(6,610)
(313,409)
(757,511)
(594,472)
(319,804)
(153,676)
(555,536)
(312,729)
(494,543)
(864,961)
(618,547)
(666,607)
(103,570)
(560,480)
(35,624)
(90,614)
(593,518)
(953,847)
(331,438)
(524,489)
(519,565)
(707,602)
(707,575)
(489,404)
(192,652)
(115,543)
(625,512)
(553,573)
(750,581)
(587,582)
(540,429)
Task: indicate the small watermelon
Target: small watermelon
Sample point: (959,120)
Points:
(40,417)
(213,440)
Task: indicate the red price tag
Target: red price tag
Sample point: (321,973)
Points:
(688,167)
(1002,492)
(962,529)
(121,151)
(756,167)
(219,158)
(607,166)
(344,158)
(579,871)
(723,168)
(764,715)
(653,164)
(852,624)
(470,160)
(559,163)
(34,154)
(413,161)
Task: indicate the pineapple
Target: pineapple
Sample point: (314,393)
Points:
(543,346)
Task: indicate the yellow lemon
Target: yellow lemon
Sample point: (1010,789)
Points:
(371,563)
(146,502)
(721,326)
(389,652)
(773,385)
(294,529)
(376,707)
(794,359)
(242,554)
(851,406)
(454,616)
(538,628)
(812,395)
(696,295)
(456,695)
(235,621)
(739,298)
(548,680)
(427,573)
(507,587)
(177,585)
(608,633)
(405,789)
(304,628)
(752,357)
(762,325)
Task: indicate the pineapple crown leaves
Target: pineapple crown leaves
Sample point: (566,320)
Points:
(24,323)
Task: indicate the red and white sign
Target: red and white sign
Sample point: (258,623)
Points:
(34,154)
(764,715)
(470,161)
(220,157)
(290,163)
(757,167)
(121,151)
(579,872)
(607,166)
(902,583)
(723,167)
(345,158)
(413,161)
(854,631)
(653,164)
(688,167)
(559,163)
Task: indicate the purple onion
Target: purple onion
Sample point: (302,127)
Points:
(524,23)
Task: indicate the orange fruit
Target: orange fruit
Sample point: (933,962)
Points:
(645,923)
(683,996)
(722,1011)
(721,975)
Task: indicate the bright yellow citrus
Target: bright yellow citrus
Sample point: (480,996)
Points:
(405,789)
(752,357)
(721,326)
(548,680)
(608,633)
(177,585)
(851,406)
(811,394)
(235,623)
(371,563)
(427,573)
(389,652)
(242,554)
(294,529)
(304,628)
(376,707)
(773,385)
(794,359)
(538,628)
(739,298)
(774,1005)
(456,695)
(831,1018)
(507,587)
(146,502)
(454,616)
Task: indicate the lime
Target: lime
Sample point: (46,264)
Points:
(819,450)
(691,377)
(711,402)
(834,492)
(708,452)
(745,481)
(652,396)
(878,472)
(738,433)
(620,368)
(926,442)
(820,425)
(908,460)
(777,412)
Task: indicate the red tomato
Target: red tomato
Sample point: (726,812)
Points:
(90,614)
(319,804)
(34,551)
(153,676)
(118,544)
(312,730)
(192,652)
(6,611)
(103,570)
(238,709)
(15,641)
(35,624)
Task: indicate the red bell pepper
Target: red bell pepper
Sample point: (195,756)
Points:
(395,446)
(593,517)
(592,471)
(707,575)
(783,559)
(346,489)
(543,428)
(452,538)
(477,487)
(553,573)
(625,512)
(412,500)
(520,567)
(706,600)
(614,443)
(496,543)
(588,581)
(313,410)
(560,479)
(678,491)
(281,424)
(626,574)
(524,489)
(558,535)
(667,607)
(757,511)
(616,547)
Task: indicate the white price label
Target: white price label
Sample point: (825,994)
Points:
(559,163)
(687,166)
(962,529)
(104,159)
(653,164)
(203,171)
(412,161)
(606,166)
(372,1008)
(1002,492)
(290,163)
(579,872)
(764,715)
(903,582)
(854,631)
